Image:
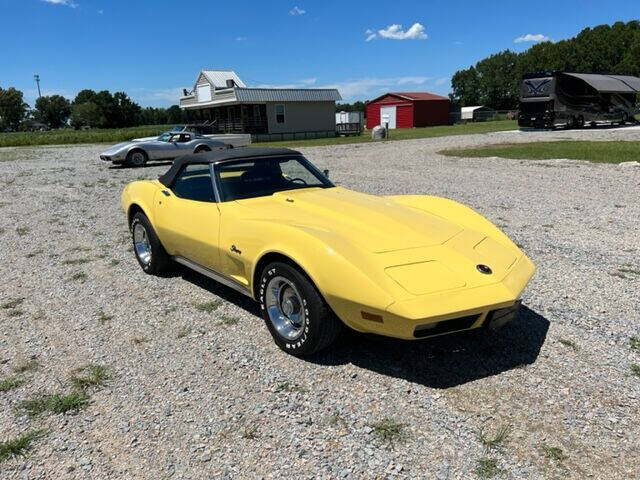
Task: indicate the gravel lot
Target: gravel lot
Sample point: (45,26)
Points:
(197,394)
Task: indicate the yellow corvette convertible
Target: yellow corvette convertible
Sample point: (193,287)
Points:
(269,224)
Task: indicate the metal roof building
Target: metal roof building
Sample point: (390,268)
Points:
(221,97)
(474,113)
(408,110)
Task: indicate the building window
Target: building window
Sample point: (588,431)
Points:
(280,113)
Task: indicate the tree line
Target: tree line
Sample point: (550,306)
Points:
(495,81)
(89,109)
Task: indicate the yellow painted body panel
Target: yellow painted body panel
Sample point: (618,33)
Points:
(410,259)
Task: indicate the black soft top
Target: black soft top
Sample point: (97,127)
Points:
(218,156)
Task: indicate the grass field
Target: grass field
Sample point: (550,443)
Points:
(600,152)
(70,136)
(404,134)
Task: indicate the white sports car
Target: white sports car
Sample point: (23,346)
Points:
(167,146)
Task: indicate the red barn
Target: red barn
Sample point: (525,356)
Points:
(408,110)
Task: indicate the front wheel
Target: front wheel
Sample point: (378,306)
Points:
(298,318)
(150,253)
(202,149)
(136,158)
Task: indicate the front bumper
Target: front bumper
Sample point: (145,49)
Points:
(111,158)
(450,311)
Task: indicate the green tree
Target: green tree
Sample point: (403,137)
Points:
(465,86)
(53,110)
(86,114)
(108,109)
(494,81)
(174,115)
(13,109)
(127,111)
(85,96)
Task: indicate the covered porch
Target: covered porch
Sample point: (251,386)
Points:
(236,118)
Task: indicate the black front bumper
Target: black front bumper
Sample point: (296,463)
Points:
(497,319)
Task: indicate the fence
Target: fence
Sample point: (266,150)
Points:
(484,116)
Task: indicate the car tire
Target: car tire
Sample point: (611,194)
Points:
(625,119)
(299,320)
(202,149)
(580,122)
(137,158)
(149,252)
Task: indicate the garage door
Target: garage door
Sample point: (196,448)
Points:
(388,114)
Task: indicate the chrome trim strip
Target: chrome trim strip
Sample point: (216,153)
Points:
(214,182)
(214,275)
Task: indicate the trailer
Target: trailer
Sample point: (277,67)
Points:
(349,123)
(573,100)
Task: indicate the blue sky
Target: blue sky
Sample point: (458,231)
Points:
(151,49)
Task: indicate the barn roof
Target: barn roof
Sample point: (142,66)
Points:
(412,96)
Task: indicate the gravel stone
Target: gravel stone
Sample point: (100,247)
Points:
(210,404)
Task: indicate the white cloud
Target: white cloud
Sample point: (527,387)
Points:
(66,3)
(395,32)
(371,34)
(441,81)
(297,11)
(530,37)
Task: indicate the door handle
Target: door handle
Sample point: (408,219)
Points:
(166,193)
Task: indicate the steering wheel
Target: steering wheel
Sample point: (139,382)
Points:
(304,182)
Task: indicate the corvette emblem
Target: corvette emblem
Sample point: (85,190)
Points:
(484,269)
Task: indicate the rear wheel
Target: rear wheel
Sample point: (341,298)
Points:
(201,149)
(298,318)
(136,158)
(625,119)
(580,122)
(150,253)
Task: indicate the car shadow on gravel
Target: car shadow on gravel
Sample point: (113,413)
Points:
(440,362)
(222,291)
(446,361)
(122,166)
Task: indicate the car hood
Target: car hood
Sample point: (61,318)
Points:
(117,147)
(375,224)
(144,139)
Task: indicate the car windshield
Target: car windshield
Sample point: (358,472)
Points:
(266,176)
(164,137)
(178,128)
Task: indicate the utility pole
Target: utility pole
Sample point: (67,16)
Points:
(36,77)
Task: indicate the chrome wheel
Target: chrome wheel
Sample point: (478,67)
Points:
(141,244)
(285,308)
(137,159)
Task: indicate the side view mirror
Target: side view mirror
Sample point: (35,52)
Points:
(326,173)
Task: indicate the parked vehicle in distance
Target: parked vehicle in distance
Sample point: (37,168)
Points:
(573,100)
(199,128)
(208,130)
(270,225)
(168,146)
